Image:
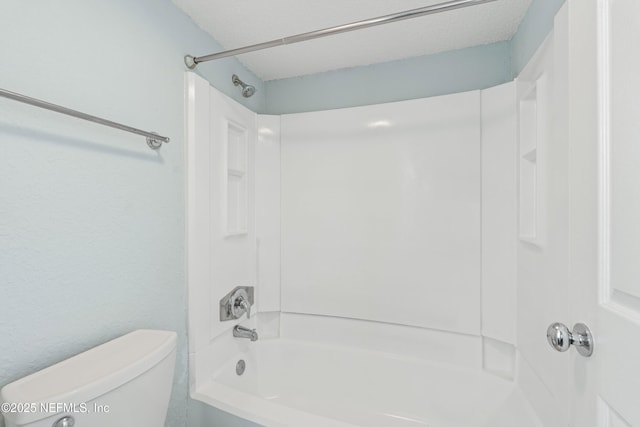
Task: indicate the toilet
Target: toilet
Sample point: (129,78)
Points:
(124,382)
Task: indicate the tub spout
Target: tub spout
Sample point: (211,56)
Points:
(242,332)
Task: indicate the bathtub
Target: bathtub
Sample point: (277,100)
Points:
(295,382)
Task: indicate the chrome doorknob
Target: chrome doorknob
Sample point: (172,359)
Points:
(560,338)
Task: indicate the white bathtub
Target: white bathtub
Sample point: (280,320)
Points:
(295,383)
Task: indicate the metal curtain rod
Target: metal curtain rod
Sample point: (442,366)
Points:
(192,61)
(153,140)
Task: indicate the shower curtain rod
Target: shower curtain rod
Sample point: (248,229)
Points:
(192,61)
(154,140)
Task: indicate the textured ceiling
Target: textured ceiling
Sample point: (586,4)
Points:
(236,23)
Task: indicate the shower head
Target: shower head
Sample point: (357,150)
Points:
(247,90)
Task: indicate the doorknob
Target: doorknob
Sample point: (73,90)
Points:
(560,338)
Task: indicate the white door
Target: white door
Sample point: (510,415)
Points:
(604,209)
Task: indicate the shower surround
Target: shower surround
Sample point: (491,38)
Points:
(380,242)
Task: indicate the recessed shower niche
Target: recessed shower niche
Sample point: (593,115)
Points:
(236,185)
(532,135)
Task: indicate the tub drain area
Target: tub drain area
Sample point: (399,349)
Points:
(240,367)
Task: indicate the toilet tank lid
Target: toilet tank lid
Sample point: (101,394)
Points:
(94,372)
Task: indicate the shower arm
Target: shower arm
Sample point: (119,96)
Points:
(193,61)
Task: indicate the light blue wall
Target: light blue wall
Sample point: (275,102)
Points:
(477,67)
(91,220)
(448,72)
(533,29)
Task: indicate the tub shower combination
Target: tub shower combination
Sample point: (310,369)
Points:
(357,267)
(344,268)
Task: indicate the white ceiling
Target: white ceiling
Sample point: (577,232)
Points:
(237,23)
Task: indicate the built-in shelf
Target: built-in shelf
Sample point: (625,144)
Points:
(529,239)
(236,181)
(532,131)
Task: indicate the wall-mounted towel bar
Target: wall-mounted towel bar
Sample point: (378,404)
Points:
(154,141)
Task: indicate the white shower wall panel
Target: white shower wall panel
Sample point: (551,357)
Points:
(219,258)
(499,212)
(267,202)
(381,213)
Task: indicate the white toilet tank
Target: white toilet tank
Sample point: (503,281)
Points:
(124,382)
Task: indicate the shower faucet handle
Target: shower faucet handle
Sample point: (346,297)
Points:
(241,304)
(236,303)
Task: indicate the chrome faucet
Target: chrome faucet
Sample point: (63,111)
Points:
(236,303)
(242,332)
(241,305)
